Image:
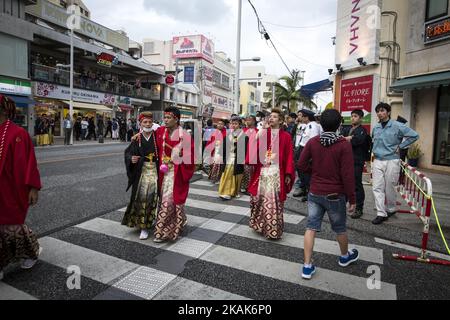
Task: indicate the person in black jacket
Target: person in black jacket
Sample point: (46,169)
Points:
(358,137)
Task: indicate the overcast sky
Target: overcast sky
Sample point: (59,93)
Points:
(308,49)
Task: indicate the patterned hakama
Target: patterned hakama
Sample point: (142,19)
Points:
(171,218)
(17,242)
(266,207)
(141,212)
(248,174)
(215,173)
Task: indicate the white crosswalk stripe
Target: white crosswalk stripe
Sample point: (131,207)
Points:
(166,280)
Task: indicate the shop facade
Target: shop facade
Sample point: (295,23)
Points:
(425,82)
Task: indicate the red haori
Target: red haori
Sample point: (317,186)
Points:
(18,174)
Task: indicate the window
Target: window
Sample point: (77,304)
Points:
(436,9)
(217,77)
(259,75)
(149,48)
(225,81)
(259,84)
(442,143)
(189,74)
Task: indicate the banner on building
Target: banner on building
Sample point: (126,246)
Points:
(358,33)
(51,91)
(358,93)
(186,47)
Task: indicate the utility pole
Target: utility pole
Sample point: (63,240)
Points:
(273,95)
(176,83)
(71,82)
(238,60)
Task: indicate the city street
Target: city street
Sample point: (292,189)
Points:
(219,257)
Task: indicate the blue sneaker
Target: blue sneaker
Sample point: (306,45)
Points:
(308,272)
(353,257)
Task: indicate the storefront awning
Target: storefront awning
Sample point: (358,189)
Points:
(125,107)
(310,90)
(426,81)
(90,106)
(21,101)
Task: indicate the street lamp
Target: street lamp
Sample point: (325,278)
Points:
(238,60)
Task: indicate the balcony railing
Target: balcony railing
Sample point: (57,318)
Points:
(62,77)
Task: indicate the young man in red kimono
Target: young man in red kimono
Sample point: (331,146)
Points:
(273,178)
(19,184)
(176,150)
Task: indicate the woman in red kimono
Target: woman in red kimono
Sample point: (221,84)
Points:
(19,187)
(176,149)
(273,179)
(218,146)
(249,169)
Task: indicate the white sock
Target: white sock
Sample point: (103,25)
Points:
(308,266)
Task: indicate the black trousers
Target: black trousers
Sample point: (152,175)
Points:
(360,193)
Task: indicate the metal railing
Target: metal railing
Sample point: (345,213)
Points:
(62,77)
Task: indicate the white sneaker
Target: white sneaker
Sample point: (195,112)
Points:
(225,197)
(144,235)
(30,263)
(158,240)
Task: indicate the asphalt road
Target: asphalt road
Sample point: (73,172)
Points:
(218,257)
(79,183)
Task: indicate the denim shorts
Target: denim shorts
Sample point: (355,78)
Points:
(337,212)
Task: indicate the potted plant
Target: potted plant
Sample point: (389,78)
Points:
(414,154)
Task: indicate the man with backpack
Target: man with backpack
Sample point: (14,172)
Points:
(361,143)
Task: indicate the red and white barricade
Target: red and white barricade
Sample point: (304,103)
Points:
(417,190)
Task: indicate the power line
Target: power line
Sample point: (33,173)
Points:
(263,31)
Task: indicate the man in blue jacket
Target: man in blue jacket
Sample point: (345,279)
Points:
(389,137)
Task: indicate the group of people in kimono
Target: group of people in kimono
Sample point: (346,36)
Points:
(160,165)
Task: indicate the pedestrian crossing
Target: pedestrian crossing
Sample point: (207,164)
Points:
(218,258)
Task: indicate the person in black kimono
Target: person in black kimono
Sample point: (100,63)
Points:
(142,163)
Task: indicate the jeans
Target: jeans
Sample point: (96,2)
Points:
(337,212)
(67,135)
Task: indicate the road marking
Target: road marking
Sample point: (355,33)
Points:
(326,280)
(94,265)
(411,248)
(242,211)
(80,158)
(215,194)
(368,254)
(10,293)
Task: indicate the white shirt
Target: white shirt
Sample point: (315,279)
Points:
(300,130)
(84,124)
(312,130)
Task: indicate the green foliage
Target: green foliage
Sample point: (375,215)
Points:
(287,91)
(415,152)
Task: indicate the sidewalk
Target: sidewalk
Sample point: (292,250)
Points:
(59,142)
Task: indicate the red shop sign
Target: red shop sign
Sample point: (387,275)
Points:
(357,93)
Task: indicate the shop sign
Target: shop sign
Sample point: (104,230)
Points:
(17,87)
(358,32)
(220,101)
(51,91)
(47,11)
(358,93)
(197,46)
(107,60)
(437,31)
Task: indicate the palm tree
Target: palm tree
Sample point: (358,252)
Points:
(290,93)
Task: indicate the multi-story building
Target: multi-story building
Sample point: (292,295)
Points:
(257,77)
(370,55)
(248,102)
(425,79)
(208,73)
(108,80)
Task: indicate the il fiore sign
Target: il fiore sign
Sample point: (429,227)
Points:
(437,31)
